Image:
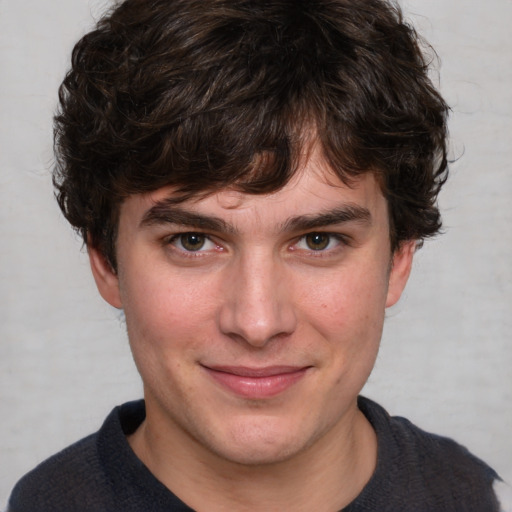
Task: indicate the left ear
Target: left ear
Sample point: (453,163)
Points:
(400,269)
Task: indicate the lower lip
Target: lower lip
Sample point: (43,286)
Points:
(257,387)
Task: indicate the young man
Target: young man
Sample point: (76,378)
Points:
(251,180)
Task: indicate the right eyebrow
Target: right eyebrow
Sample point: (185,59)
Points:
(164,213)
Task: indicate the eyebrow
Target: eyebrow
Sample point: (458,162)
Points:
(164,212)
(340,215)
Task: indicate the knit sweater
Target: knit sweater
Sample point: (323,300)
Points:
(416,471)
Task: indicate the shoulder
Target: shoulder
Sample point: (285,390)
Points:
(442,462)
(62,481)
(430,469)
(79,477)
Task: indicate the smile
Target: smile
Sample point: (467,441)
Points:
(256,383)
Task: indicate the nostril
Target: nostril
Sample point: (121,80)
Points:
(256,325)
(256,306)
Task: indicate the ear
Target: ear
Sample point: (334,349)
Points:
(105,276)
(400,269)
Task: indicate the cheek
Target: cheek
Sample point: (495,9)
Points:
(162,329)
(348,304)
(163,313)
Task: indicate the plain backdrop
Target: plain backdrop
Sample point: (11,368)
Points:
(446,356)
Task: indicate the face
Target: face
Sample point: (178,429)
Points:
(255,321)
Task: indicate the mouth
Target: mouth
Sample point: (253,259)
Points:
(256,383)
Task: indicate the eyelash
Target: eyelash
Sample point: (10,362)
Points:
(338,239)
(176,239)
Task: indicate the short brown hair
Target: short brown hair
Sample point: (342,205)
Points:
(191,93)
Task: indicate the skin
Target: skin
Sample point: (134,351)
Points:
(273,285)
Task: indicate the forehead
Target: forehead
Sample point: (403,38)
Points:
(314,190)
(308,192)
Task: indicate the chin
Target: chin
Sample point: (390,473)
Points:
(261,441)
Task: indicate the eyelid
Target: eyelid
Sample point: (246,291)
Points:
(175,237)
(341,240)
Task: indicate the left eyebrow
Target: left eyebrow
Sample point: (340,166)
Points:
(164,212)
(341,215)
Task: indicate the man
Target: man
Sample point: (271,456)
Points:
(252,180)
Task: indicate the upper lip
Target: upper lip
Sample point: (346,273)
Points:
(266,371)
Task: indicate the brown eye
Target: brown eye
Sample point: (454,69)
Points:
(317,241)
(192,241)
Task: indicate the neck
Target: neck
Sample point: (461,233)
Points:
(325,476)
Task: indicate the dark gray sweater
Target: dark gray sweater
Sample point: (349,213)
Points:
(416,472)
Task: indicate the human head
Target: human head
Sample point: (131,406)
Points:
(206,95)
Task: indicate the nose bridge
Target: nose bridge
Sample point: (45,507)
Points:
(257,306)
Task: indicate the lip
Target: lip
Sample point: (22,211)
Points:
(256,383)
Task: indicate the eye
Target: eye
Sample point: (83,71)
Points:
(319,241)
(192,242)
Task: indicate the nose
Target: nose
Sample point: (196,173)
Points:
(257,306)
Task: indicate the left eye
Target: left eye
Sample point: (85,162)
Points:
(192,242)
(317,242)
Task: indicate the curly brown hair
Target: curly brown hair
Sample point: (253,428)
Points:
(191,93)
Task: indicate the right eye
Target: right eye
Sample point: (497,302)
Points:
(317,241)
(192,242)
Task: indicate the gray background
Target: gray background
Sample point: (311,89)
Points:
(446,357)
